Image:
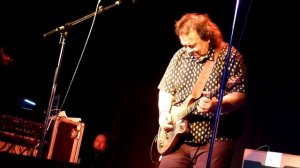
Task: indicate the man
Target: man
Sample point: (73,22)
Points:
(101,154)
(5,59)
(100,143)
(201,41)
(8,82)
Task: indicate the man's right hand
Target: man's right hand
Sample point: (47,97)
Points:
(165,121)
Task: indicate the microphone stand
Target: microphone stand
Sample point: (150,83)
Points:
(63,32)
(54,86)
(221,92)
(71,24)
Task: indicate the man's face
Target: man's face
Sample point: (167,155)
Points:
(194,44)
(100,143)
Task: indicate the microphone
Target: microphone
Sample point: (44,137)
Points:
(58,29)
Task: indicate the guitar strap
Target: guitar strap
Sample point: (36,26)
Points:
(203,77)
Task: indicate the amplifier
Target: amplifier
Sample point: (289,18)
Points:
(11,148)
(265,159)
(66,140)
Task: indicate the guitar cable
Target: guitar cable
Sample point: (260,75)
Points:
(151,152)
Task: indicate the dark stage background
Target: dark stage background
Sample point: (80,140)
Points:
(115,87)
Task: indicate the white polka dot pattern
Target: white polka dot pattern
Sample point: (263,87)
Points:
(181,75)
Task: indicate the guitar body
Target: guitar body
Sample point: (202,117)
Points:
(167,140)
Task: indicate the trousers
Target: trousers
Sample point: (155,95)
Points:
(192,156)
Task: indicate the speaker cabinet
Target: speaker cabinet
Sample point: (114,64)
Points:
(263,159)
(66,140)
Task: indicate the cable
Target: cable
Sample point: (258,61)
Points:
(83,50)
(151,151)
(263,146)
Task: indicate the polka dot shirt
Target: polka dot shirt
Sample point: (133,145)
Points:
(180,77)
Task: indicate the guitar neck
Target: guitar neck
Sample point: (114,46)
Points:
(185,111)
(192,104)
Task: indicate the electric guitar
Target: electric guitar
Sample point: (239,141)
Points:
(166,140)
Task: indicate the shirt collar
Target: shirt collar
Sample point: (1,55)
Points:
(208,56)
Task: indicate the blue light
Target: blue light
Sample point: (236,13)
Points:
(30,102)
